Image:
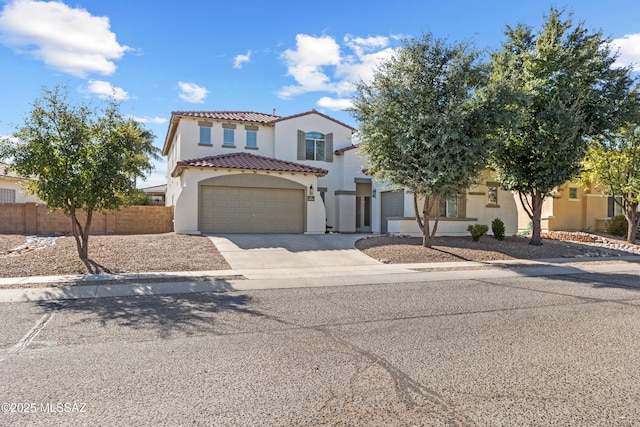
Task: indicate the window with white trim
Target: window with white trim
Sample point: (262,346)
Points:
(315,146)
(205,136)
(228,136)
(252,136)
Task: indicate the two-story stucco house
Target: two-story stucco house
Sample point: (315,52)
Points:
(247,172)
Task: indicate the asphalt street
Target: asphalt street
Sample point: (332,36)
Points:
(526,351)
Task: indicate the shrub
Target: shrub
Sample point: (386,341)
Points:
(617,225)
(497,228)
(477,231)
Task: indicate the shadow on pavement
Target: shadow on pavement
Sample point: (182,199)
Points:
(184,314)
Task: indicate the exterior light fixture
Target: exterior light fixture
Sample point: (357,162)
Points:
(311,190)
(373,193)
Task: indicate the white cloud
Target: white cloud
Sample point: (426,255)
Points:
(306,64)
(153,120)
(318,65)
(629,49)
(335,104)
(105,90)
(191,92)
(67,39)
(241,59)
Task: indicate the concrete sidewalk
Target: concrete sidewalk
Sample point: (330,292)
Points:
(166,283)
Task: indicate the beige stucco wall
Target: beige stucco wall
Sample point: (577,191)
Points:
(276,141)
(340,176)
(186,200)
(579,214)
(22,196)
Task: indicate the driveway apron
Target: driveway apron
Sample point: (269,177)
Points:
(278,251)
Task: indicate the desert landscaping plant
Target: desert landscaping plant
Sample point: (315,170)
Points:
(551,91)
(612,165)
(421,123)
(497,228)
(477,231)
(79,159)
(617,225)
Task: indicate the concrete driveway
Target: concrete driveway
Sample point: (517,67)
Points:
(291,251)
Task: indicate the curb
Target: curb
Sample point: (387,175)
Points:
(169,283)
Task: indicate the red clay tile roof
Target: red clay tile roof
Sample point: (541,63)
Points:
(247,161)
(347,148)
(279,119)
(239,116)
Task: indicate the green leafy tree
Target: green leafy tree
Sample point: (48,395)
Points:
(548,93)
(612,165)
(420,123)
(79,159)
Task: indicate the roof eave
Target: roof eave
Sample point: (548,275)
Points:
(179,169)
(173,126)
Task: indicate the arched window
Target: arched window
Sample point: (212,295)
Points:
(315,146)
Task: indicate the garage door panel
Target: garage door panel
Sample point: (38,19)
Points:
(251,210)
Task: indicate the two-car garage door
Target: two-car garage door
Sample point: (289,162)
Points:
(251,210)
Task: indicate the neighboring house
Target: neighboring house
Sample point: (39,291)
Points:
(246,172)
(12,188)
(157,194)
(574,208)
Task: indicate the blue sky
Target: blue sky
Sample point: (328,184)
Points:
(159,57)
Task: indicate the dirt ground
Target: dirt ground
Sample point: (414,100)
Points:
(108,254)
(401,250)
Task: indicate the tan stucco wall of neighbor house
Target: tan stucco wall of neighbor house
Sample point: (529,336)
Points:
(32,218)
(587,211)
(578,214)
(187,198)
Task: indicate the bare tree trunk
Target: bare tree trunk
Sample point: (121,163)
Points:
(633,219)
(423,219)
(536,204)
(534,212)
(81,234)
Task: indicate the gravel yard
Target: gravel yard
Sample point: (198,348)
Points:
(401,250)
(108,254)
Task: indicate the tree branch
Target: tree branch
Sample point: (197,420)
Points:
(526,205)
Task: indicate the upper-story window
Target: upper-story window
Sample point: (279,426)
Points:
(315,146)
(228,137)
(205,133)
(252,136)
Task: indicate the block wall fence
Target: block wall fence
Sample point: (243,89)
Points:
(34,218)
